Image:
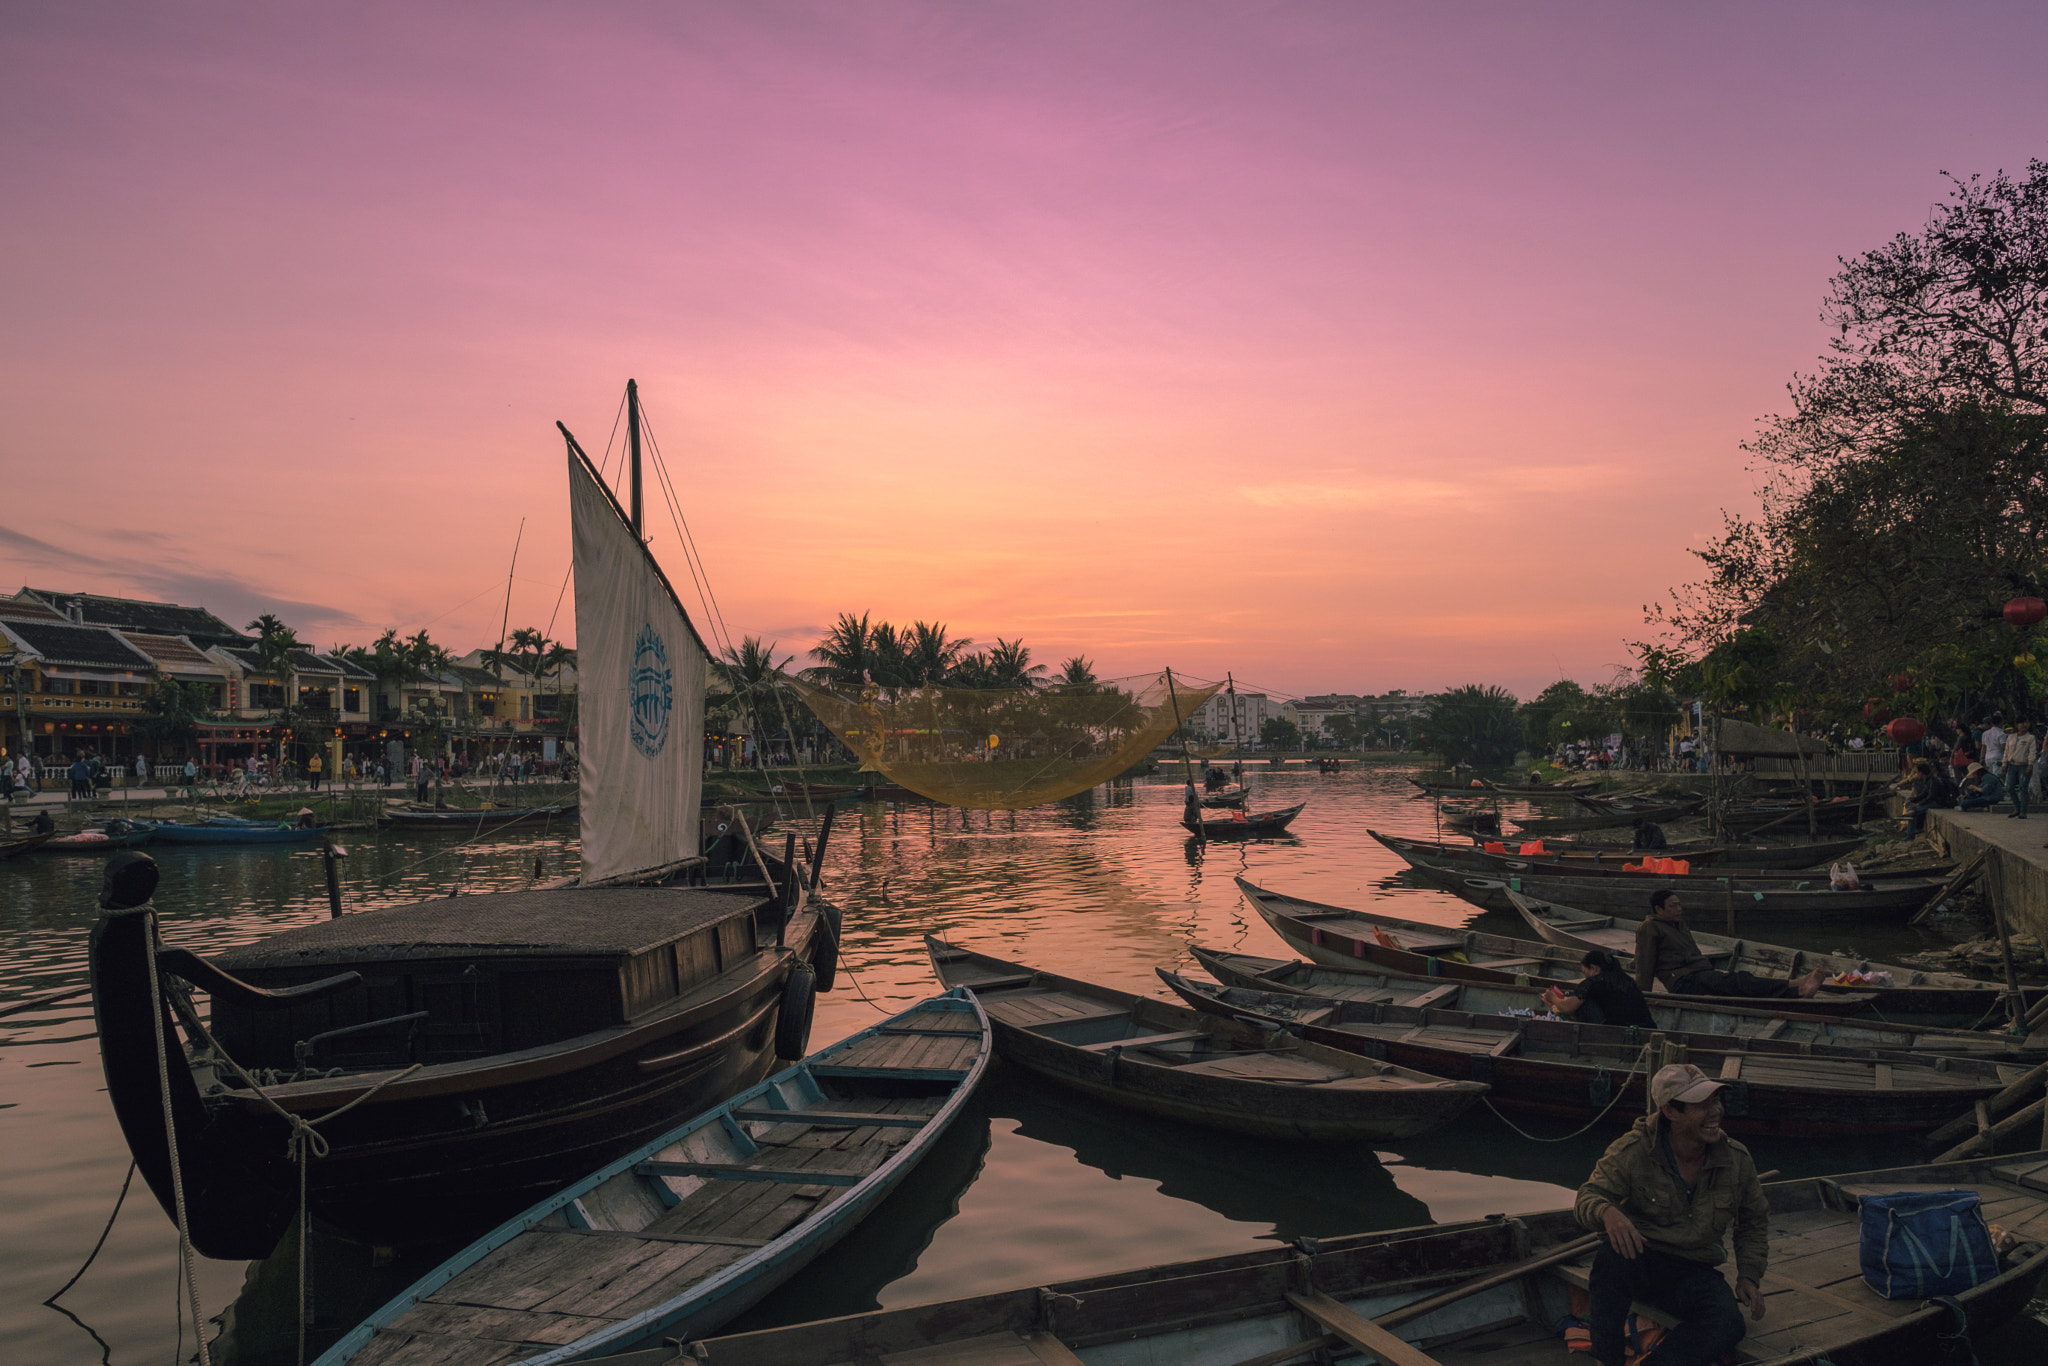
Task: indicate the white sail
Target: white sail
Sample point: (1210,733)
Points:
(641,672)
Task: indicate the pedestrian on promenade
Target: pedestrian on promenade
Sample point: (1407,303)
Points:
(2022,749)
(141,770)
(1664,1196)
(81,778)
(191,779)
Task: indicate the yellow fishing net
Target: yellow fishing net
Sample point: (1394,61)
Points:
(1003,749)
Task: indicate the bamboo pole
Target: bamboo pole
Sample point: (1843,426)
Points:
(1988,1140)
(1964,1123)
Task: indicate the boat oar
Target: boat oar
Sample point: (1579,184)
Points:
(32,1002)
(1578,1247)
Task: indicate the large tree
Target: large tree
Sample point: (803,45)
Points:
(1904,496)
(1475,724)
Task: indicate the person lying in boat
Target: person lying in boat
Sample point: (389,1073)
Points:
(1666,950)
(1649,835)
(1664,1195)
(1604,994)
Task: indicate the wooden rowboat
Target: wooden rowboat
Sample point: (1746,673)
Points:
(1244,827)
(1914,992)
(684,1232)
(1818,904)
(1366,941)
(1684,1021)
(108,841)
(171,832)
(1145,1054)
(10,848)
(1567,862)
(1607,820)
(472,820)
(1581,1072)
(1478,1293)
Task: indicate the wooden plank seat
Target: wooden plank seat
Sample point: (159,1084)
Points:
(1091,1017)
(1432,996)
(914,1029)
(905,1073)
(1144,1041)
(1360,1331)
(834,1119)
(1002,983)
(729,1171)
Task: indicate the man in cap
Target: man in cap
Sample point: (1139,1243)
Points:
(1666,949)
(1664,1195)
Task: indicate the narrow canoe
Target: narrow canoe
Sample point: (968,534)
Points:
(1693,1023)
(1476,1293)
(10,848)
(169,832)
(1244,827)
(472,819)
(1566,862)
(1581,1072)
(1365,941)
(1914,991)
(1892,900)
(1146,1054)
(97,842)
(684,1232)
(1606,820)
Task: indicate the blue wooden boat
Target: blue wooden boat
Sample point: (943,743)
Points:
(683,1233)
(171,832)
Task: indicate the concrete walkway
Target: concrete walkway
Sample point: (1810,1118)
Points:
(2016,864)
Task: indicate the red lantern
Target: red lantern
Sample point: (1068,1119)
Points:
(1876,712)
(2025,611)
(1906,731)
(1902,682)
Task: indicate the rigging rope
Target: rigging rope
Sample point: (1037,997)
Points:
(1619,1091)
(125,1181)
(188,1272)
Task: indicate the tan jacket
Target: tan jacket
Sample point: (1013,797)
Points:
(1666,950)
(1635,1175)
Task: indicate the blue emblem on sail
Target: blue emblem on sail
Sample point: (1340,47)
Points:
(652,693)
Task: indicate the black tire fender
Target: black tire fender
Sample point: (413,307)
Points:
(793,1021)
(825,950)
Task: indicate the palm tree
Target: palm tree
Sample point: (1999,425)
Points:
(929,654)
(1010,666)
(845,656)
(1076,675)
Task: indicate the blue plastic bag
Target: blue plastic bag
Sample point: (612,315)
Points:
(1919,1244)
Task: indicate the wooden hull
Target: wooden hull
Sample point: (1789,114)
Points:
(450,1147)
(1351,940)
(684,1264)
(1220,1311)
(12,848)
(471,822)
(165,832)
(105,844)
(1245,1081)
(1560,862)
(1920,996)
(1580,1072)
(1685,1020)
(1606,820)
(1249,827)
(1623,896)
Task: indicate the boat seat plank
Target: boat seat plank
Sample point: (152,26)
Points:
(2032,1175)
(709,1239)
(1090,1018)
(1430,997)
(832,1118)
(1508,962)
(733,1171)
(1022,979)
(929,1029)
(598,1287)
(1360,1331)
(498,1325)
(1144,1041)
(891,1073)
(1268,1067)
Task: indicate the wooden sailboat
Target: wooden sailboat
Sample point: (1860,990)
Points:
(460,1058)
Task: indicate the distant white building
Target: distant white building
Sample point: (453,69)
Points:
(1230,718)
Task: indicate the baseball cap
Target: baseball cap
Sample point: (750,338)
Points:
(1681,1081)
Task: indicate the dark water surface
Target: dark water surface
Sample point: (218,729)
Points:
(1034,1184)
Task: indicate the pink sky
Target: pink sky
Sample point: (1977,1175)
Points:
(1347,347)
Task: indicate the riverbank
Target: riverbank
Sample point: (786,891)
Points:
(2015,876)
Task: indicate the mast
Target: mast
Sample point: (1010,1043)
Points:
(633,444)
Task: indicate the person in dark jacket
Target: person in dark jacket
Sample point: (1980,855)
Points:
(1604,994)
(1664,1196)
(1649,835)
(1666,949)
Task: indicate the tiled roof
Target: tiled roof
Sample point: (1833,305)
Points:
(25,608)
(303,661)
(477,678)
(92,647)
(133,614)
(173,652)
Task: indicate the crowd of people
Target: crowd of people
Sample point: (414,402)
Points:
(89,773)
(1975,768)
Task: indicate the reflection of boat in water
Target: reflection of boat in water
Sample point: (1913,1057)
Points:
(463,1057)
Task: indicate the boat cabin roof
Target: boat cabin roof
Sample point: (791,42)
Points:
(576,922)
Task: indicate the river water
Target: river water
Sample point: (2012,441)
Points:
(1034,1184)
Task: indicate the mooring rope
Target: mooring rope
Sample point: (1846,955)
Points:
(163,1074)
(1619,1092)
(125,1181)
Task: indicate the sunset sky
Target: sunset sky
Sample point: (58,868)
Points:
(1345,347)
